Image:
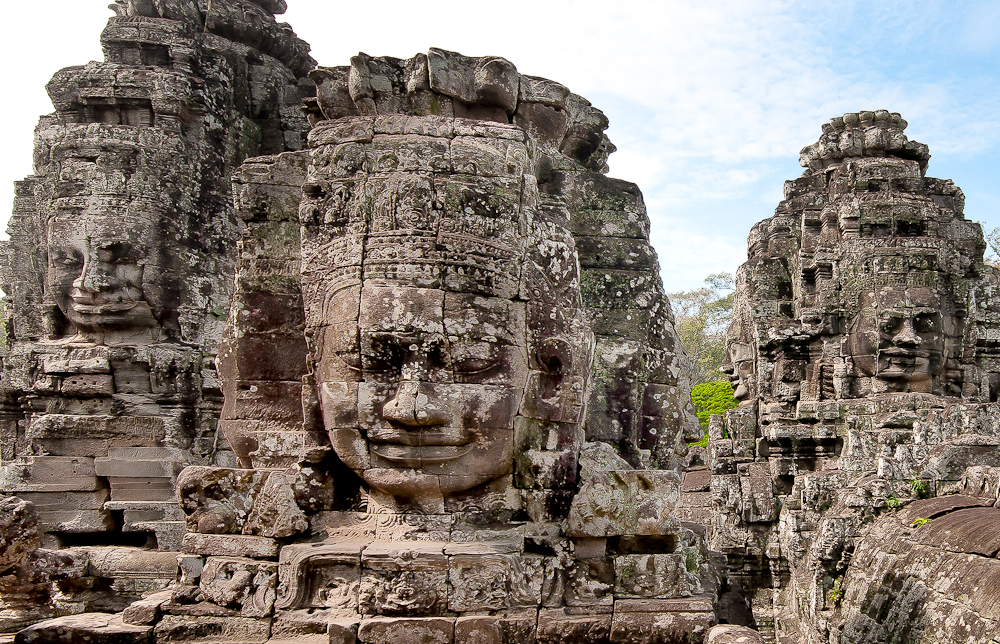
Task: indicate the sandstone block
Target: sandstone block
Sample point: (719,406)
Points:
(50,474)
(729,634)
(556,626)
(236,582)
(230,545)
(99,628)
(643,502)
(418,630)
(146,611)
(191,629)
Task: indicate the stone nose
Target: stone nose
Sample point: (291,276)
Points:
(415,405)
(95,276)
(907,335)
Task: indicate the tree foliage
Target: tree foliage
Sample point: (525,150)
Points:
(712,398)
(701,318)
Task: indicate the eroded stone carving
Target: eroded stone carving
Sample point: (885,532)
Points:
(119,275)
(860,351)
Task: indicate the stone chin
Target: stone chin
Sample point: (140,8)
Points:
(412,485)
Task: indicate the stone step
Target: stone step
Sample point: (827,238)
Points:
(50,474)
(93,628)
(152,469)
(126,488)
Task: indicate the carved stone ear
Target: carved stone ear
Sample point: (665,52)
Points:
(555,356)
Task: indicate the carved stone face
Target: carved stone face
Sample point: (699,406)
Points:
(96,265)
(899,338)
(419,394)
(738,364)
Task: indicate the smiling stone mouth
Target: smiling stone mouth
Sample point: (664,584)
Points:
(416,455)
(900,352)
(100,309)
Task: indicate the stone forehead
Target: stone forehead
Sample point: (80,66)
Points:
(396,308)
(890,297)
(112,212)
(439,202)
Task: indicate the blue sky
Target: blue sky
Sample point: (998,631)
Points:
(709,101)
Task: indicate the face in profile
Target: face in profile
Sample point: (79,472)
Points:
(899,339)
(738,364)
(420,390)
(95,271)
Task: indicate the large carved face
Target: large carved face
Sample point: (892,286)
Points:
(419,395)
(96,265)
(899,338)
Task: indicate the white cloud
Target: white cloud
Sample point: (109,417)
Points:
(710,102)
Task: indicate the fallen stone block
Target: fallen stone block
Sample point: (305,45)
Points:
(729,634)
(191,629)
(412,630)
(92,628)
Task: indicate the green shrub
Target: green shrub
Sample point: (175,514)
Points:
(712,398)
(837,592)
(920,488)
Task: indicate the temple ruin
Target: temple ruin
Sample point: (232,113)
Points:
(378,353)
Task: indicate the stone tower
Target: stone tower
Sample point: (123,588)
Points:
(863,348)
(119,271)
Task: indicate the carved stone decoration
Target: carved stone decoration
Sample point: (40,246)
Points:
(248,584)
(494,582)
(320,575)
(625,502)
(860,351)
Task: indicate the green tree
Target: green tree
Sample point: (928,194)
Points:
(701,318)
(712,398)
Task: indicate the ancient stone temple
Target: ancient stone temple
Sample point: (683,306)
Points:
(863,349)
(119,274)
(415,361)
(378,354)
